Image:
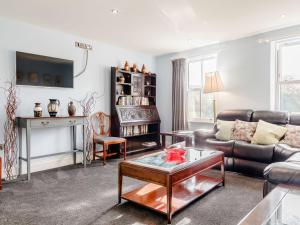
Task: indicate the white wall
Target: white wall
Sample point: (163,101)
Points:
(16,36)
(244,65)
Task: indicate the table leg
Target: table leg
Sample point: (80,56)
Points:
(104,154)
(28,150)
(223,171)
(84,146)
(189,141)
(20,150)
(120,182)
(169,199)
(125,149)
(72,144)
(163,140)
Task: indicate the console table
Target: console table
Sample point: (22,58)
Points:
(30,123)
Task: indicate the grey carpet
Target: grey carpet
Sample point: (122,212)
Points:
(74,195)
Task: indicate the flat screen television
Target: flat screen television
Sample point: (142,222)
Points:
(38,70)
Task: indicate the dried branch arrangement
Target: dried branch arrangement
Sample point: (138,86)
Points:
(88,105)
(10,131)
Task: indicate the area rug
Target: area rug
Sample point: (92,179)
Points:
(73,195)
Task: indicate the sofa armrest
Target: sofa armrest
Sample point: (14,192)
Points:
(283,151)
(202,135)
(283,173)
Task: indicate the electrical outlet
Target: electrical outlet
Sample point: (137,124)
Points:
(83,45)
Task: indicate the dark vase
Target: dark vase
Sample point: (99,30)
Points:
(53,107)
(71,109)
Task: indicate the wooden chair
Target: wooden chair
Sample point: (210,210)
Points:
(101,124)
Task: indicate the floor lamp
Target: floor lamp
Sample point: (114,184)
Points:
(213,84)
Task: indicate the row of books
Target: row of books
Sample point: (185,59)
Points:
(132,100)
(134,130)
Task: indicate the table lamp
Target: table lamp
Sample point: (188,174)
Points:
(213,84)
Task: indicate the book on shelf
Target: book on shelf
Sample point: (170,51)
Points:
(134,130)
(133,100)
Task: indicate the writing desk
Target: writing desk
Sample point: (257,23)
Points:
(30,123)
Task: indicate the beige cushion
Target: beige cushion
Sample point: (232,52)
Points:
(225,129)
(268,133)
(292,136)
(243,131)
(102,139)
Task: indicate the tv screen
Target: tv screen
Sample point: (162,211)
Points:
(37,70)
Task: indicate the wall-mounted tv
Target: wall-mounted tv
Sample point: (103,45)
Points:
(38,70)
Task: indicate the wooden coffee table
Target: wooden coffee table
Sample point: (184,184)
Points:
(171,185)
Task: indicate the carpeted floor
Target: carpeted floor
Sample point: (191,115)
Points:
(74,195)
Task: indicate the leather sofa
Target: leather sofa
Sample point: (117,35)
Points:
(277,163)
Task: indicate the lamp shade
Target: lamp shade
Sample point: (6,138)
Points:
(213,82)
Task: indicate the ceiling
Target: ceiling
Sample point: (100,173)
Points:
(156,26)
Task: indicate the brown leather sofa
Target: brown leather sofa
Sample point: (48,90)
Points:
(271,161)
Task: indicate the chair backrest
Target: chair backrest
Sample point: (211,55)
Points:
(101,123)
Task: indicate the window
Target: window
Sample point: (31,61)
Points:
(200,106)
(288,76)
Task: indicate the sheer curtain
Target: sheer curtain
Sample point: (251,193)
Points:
(179,85)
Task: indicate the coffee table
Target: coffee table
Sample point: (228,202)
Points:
(171,185)
(279,207)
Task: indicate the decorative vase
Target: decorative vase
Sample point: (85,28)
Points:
(134,68)
(71,109)
(53,107)
(143,68)
(121,80)
(37,110)
(126,66)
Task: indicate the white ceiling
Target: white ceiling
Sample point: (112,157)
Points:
(156,26)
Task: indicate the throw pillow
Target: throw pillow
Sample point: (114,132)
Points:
(243,131)
(292,136)
(268,133)
(225,129)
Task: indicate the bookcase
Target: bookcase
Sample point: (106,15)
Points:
(133,109)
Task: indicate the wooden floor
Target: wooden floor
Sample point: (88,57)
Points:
(154,196)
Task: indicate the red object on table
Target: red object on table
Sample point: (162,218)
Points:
(176,155)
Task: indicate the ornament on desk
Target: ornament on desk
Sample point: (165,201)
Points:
(126,66)
(53,107)
(134,68)
(37,109)
(143,68)
(71,109)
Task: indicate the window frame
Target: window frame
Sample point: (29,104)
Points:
(193,88)
(279,81)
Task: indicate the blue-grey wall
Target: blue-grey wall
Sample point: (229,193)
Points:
(245,67)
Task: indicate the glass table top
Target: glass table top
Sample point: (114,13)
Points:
(287,211)
(171,158)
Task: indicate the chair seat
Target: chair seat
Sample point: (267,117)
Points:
(105,139)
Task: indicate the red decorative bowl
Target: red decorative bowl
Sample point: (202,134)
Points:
(175,155)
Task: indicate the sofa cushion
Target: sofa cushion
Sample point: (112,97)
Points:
(231,115)
(258,153)
(275,117)
(249,167)
(225,129)
(268,133)
(292,136)
(283,151)
(283,173)
(224,146)
(243,131)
